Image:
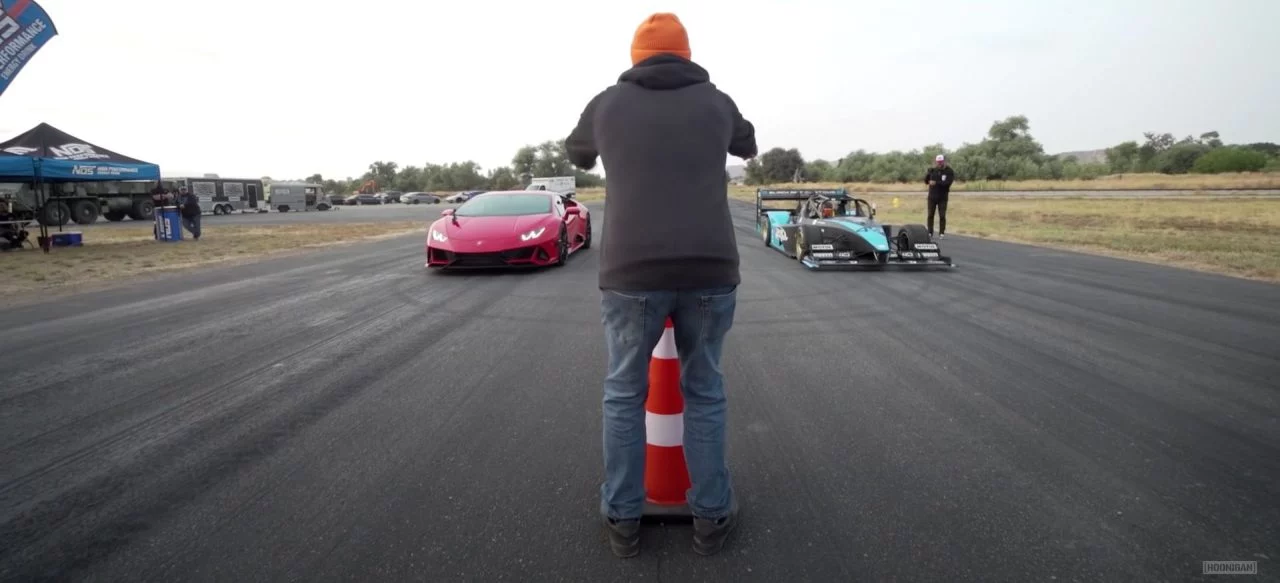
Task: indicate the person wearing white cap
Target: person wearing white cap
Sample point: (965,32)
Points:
(939,179)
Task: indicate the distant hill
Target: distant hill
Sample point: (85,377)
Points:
(1087,156)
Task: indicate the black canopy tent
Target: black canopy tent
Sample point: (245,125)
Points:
(58,157)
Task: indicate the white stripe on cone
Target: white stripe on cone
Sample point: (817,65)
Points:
(666,348)
(664,430)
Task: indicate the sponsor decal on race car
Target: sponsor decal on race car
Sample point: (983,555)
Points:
(780,234)
(824,255)
(822,247)
(925,245)
(844,254)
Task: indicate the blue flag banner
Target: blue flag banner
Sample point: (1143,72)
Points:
(24,28)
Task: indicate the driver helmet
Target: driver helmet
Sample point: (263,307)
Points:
(828,210)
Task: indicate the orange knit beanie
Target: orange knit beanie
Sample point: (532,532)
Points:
(660,33)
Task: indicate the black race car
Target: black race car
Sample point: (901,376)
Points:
(829,228)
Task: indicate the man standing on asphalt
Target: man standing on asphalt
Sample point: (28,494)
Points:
(939,179)
(669,249)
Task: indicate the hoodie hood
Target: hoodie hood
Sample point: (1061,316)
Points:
(665,72)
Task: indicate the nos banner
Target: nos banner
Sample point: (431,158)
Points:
(24,28)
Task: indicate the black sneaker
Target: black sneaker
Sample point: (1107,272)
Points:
(709,535)
(624,536)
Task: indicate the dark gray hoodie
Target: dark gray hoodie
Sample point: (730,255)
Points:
(662,133)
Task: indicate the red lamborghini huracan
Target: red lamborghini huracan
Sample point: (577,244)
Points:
(509,228)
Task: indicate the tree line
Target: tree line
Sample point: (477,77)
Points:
(1009,152)
(546,159)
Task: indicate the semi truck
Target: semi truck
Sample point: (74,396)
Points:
(84,202)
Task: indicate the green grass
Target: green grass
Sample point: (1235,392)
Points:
(1231,236)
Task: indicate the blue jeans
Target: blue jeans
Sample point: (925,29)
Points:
(633,324)
(192,224)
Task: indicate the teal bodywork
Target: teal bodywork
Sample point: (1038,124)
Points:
(870,231)
(867,229)
(777,219)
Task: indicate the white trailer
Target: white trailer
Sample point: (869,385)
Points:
(220,196)
(565,185)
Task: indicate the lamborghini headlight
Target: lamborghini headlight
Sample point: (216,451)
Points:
(534,234)
(438,236)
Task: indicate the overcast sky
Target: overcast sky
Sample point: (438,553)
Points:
(287,88)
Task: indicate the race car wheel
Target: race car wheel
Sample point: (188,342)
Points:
(764,232)
(586,244)
(909,235)
(562,247)
(800,243)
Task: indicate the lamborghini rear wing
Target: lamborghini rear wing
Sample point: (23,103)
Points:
(796,194)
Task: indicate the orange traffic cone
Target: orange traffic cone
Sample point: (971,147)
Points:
(666,476)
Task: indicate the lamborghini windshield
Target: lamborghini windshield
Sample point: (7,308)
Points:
(505,205)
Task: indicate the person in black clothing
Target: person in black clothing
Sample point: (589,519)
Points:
(191,212)
(939,179)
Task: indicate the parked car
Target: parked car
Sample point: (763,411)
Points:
(363,199)
(420,198)
(389,196)
(463,196)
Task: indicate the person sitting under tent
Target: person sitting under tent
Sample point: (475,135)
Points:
(11,228)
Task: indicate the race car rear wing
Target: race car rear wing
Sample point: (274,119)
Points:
(796,194)
(799,193)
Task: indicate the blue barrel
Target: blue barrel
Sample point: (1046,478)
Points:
(168,224)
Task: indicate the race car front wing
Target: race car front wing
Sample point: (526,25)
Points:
(819,256)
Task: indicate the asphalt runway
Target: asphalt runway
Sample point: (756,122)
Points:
(1033,415)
